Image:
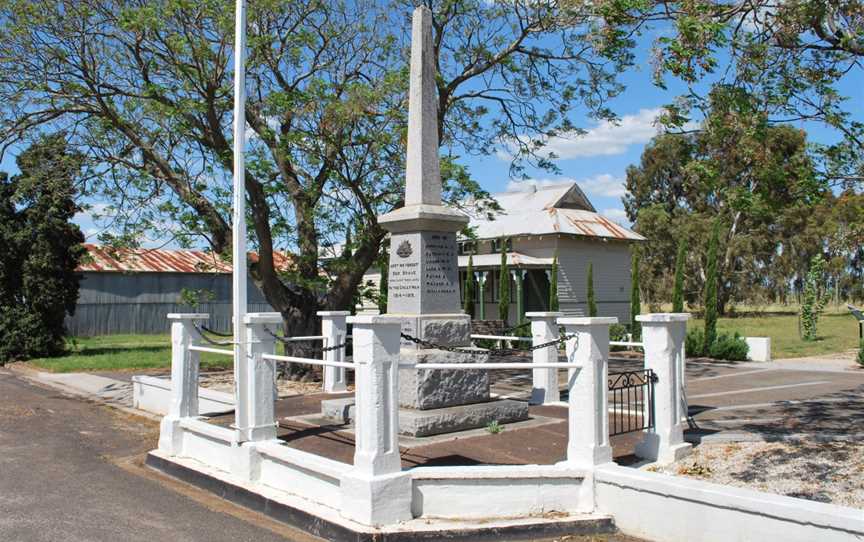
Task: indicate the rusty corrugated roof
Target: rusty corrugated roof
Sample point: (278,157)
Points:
(147,260)
(549,211)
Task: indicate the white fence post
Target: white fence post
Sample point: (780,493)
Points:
(544,328)
(335,330)
(184,379)
(663,337)
(376,491)
(588,435)
(255,411)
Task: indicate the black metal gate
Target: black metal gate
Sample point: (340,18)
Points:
(631,401)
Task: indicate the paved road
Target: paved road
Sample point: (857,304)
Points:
(70,470)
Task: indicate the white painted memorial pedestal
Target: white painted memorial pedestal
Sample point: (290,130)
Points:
(663,337)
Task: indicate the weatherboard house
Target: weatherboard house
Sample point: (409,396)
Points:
(537,223)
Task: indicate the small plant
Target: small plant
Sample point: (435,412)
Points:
(814,299)
(494,427)
(195,297)
(694,343)
(696,469)
(728,347)
(860,358)
(617,332)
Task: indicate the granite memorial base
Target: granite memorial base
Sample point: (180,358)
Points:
(438,421)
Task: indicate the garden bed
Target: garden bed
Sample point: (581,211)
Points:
(829,472)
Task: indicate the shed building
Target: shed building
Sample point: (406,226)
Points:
(133,290)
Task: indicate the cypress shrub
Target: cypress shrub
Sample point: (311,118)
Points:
(592,304)
(635,301)
(504,285)
(711,283)
(678,290)
(553,284)
(468,305)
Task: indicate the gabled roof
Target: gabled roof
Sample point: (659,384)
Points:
(146,260)
(561,209)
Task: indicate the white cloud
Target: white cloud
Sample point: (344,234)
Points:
(529,185)
(603,185)
(616,215)
(607,138)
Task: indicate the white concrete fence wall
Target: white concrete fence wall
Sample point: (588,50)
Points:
(374,490)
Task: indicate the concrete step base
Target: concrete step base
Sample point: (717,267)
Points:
(437,421)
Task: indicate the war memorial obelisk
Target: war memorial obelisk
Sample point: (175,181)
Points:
(423,288)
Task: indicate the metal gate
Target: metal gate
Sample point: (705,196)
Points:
(631,401)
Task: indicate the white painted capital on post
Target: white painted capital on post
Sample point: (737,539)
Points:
(588,442)
(544,328)
(376,491)
(184,378)
(335,331)
(256,399)
(663,336)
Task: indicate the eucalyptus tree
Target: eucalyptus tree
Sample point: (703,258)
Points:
(790,56)
(144,91)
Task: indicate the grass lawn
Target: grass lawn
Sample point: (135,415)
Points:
(121,352)
(838,332)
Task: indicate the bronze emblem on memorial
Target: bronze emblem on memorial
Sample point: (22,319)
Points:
(404,249)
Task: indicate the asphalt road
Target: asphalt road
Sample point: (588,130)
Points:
(71,471)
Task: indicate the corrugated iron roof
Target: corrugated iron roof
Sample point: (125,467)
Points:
(549,211)
(146,260)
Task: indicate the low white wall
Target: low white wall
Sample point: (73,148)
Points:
(153,394)
(758,348)
(666,508)
(499,491)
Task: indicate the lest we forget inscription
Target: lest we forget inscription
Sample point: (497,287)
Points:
(423,274)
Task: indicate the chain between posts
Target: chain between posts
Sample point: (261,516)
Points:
(203,329)
(493,351)
(287,340)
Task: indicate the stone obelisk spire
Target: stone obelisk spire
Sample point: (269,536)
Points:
(422,175)
(424,269)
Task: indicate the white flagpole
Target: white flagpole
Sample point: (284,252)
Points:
(238,282)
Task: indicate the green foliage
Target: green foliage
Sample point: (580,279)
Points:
(325,100)
(759,179)
(592,304)
(728,347)
(635,302)
(468,304)
(678,289)
(504,285)
(712,280)
(383,285)
(617,332)
(195,297)
(41,249)
(814,298)
(553,284)
(694,343)
(860,357)
(494,427)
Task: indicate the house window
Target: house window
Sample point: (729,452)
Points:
(496,245)
(492,287)
(467,247)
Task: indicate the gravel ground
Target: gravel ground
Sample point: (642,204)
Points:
(224,381)
(830,472)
